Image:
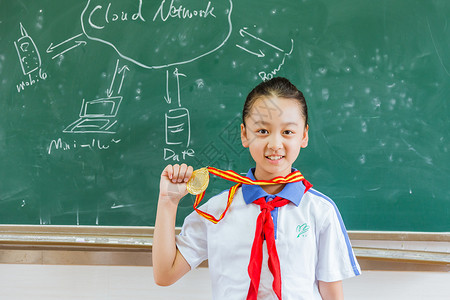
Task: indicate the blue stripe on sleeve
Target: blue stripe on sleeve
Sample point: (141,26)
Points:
(343,229)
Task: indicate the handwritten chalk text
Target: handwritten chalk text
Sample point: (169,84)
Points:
(94,144)
(267,76)
(171,154)
(170,11)
(31,81)
(114,16)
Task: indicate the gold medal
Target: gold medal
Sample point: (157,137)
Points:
(198,182)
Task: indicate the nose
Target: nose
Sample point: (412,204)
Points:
(275,142)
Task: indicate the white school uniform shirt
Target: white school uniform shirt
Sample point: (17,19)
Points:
(311,241)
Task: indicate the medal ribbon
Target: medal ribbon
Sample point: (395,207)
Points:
(239,179)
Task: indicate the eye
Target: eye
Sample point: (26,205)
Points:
(288,132)
(262,131)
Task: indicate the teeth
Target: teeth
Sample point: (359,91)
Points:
(274,157)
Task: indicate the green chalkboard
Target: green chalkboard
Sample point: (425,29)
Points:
(96,97)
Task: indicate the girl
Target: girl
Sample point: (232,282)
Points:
(279,241)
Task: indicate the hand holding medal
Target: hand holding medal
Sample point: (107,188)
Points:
(198,182)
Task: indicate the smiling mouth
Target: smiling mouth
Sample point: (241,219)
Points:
(274,157)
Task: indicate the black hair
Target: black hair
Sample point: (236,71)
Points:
(278,87)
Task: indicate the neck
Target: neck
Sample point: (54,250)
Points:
(261,175)
(273,189)
(270,189)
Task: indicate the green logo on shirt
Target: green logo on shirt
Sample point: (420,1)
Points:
(302,230)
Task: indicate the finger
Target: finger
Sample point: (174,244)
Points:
(182,175)
(168,172)
(189,171)
(176,173)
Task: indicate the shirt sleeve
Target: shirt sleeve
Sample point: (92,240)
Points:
(336,260)
(192,241)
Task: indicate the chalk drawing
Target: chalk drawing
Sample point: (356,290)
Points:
(99,17)
(29,57)
(62,48)
(178,129)
(436,49)
(265,75)
(269,75)
(96,116)
(243,32)
(167,96)
(177,121)
(177,125)
(95,144)
(180,12)
(30,60)
(118,71)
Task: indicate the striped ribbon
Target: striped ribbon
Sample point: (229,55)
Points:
(235,177)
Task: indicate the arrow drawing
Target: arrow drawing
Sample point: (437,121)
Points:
(178,84)
(110,91)
(122,70)
(51,48)
(260,54)
(167,96)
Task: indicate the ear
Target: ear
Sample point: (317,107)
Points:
(305,138)
(244,138)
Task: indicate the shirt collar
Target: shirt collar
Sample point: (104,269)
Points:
(292,191)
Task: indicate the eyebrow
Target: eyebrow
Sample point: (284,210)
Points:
(267,123)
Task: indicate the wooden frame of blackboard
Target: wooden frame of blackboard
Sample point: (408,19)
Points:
(91,245)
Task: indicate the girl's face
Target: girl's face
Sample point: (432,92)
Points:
(274,133)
